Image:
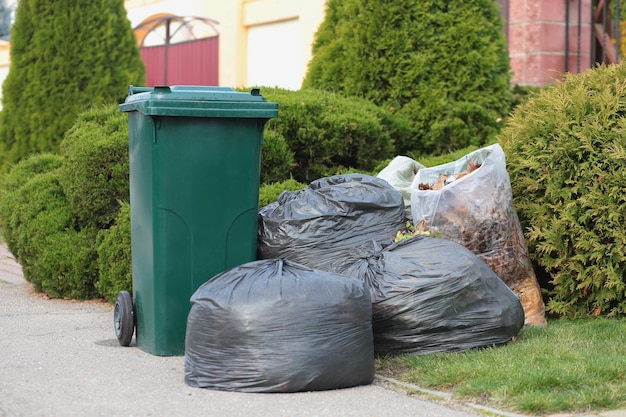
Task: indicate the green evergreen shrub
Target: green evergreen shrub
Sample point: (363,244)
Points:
(19,175)
(37,209)
(270,192)
(276,158)
(23,171)
(329,132)
(67,265)
(55,205)
(55,258)
(65,56)
(566,155)
(96,169)
(114,257)
(521,93)
(442,65)
(440,159)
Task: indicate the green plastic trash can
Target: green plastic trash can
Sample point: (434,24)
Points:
(194,189)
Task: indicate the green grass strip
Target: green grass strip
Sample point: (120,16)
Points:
(568,366)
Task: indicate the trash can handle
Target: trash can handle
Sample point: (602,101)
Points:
(135,90)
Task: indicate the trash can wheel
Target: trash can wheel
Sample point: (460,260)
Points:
(124,318)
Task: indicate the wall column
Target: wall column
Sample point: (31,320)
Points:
(548,38)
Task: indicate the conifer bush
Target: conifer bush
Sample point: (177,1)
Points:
(329,132)
(65,57)
(114,256)
(276,158)
(566,155)
(12,182)
(56,258)
(67,266)
(442,64)
(56,205)
(96,167)
(270,192)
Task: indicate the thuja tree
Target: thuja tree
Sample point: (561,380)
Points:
(566,154)
(444,64)
(65,56)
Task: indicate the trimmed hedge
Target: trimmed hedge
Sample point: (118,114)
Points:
(329,132)
(566,155)
(68,265)
(55,206)
(276,158)
(18,176)
(114,257)
(95,168)
(55,258)
(270,192)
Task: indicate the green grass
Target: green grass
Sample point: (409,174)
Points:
(568,366)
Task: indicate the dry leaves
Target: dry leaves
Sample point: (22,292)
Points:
(445,179)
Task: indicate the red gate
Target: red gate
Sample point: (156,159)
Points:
(188,63)
(182,51)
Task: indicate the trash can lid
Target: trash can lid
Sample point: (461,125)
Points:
(198,101)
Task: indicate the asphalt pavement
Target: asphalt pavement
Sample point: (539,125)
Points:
(60,358)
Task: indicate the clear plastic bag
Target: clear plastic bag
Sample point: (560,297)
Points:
(474,206)
(399,173)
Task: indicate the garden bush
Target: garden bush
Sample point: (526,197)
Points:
(67,265)
(329,132)
(114,256)
(55,258)
(566,155)
(13,181)
(443,65)
(64,58)
(55,205)
(38,210)
(276,158)
(270,192)
(96,169)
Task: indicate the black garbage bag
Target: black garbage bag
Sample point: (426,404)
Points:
(276,326)
(322,223)
(434,295)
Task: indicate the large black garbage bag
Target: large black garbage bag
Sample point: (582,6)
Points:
(434,295)
(276,326)
(320,224)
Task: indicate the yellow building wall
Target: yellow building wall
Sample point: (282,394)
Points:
(239,21)
(5,61)
(237,18)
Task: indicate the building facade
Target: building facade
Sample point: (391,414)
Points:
(548,38)
(261,42)
(268,42)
